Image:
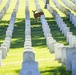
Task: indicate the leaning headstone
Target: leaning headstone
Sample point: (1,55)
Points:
(0,58)
(74,64)
(29,68)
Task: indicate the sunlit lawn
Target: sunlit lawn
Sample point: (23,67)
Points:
(3,4)
(46,61)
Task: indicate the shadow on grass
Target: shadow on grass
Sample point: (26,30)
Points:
(56,71)
(18,34)
(55,31)
(37,34)
(69,24)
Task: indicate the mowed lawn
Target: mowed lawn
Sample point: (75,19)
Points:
(46,60)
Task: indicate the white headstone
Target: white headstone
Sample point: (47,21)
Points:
(68,34)
(28,55)
(51,46)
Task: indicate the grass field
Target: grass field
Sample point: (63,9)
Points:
(46,61)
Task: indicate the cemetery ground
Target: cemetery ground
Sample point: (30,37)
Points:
(46,60)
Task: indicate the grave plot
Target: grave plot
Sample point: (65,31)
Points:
(29,65)
(6,43)
(3,11)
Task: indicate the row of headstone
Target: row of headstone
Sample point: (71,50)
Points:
(3,11)
(67,12)
(6,44)
(69,4)
(64,54)
(60,7)
(54,47)
(66,31)
(29,65)
(74,1)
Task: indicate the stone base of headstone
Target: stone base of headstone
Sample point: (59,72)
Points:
(29,68)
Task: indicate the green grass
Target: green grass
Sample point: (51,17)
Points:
(46,61)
